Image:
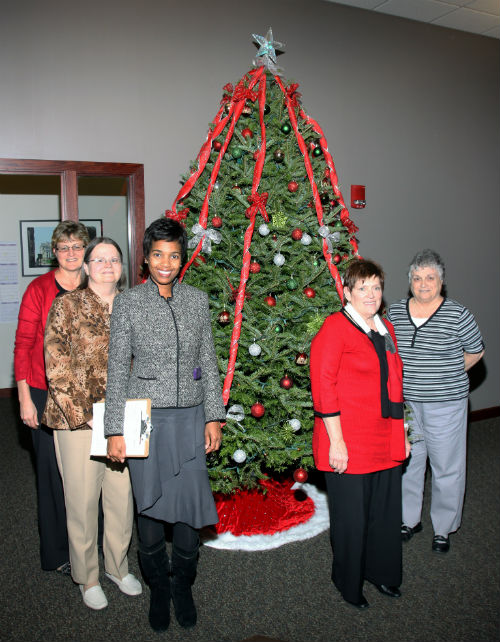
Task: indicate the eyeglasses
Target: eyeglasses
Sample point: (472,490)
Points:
(66,248)
(114,260)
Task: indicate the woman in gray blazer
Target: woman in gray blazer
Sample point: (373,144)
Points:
(161,348)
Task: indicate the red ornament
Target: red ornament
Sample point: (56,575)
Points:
(297,234)
(309,292)
(217,221)
(286,382)
(300,475)
(257,410)
(224,317)
(274,237)
(217,145)
(256,155)
(247,133)
(337,258)
(293,186)
(301,358)
(270,300)
(254,267)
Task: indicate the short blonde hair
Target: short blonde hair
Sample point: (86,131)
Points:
(66,229)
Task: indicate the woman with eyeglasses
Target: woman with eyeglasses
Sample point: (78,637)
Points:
(76,358)
(68,243)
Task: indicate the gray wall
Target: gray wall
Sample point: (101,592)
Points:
(410,110)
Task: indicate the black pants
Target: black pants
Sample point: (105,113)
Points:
(365,529)
(51,508)
(152,532)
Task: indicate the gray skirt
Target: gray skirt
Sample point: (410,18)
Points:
(172,484)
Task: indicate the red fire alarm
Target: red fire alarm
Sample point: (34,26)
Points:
(358,196)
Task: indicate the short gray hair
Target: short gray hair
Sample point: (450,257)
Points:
(426,258)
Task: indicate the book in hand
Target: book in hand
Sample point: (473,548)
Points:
(136,429)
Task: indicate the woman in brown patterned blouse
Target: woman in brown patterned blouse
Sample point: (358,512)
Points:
(76,359)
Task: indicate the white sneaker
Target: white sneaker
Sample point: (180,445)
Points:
(94,597)
(129,585)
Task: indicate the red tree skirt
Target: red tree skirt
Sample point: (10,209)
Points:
(253,512)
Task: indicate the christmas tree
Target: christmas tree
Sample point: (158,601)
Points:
(270,236)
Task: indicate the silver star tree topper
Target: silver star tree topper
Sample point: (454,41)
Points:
(266,56)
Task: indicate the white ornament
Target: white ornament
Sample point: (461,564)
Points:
(254,349)
(279,259)
(295,424)
(306,239)
(263,229)
(239,456)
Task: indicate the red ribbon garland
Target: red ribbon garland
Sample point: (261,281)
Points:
(258,203)
(310,174)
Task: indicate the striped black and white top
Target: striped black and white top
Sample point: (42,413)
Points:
(433,352)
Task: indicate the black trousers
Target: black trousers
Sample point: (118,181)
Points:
(51,508)
(365,529)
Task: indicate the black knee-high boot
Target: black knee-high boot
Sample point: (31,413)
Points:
(184,565)
(155,567)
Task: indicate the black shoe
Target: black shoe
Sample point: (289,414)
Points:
(407,532)
(155,568)
(440,544)
(184,566)
(390,591)
(362,604)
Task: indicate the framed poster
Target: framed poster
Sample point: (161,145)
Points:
(36,249)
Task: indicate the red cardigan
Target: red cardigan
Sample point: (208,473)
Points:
(345,381)
(29,361)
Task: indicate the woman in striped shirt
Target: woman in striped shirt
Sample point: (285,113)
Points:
(438,340)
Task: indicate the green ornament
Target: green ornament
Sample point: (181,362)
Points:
(285,128)
(338,224)
(315,263)
(280,220)
(237,152)
(291,284)
(278,329)
(317,151)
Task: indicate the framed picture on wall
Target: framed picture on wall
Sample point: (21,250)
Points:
(36,249)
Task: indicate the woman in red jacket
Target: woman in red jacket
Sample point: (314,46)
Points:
(359,438)
(69,240)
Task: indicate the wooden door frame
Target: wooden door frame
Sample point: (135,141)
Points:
(70,171)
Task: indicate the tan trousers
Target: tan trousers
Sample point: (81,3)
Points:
(83,480)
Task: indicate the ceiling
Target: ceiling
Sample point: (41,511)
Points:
(476,16)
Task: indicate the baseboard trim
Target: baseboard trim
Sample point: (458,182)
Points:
(8,392)
(484,413)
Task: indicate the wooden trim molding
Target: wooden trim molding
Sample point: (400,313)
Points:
(70,171)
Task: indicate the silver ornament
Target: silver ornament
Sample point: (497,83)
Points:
(254,349)
(263,229)
(279,259)
(295,424)
(306,239)
(239,456)
(236,413)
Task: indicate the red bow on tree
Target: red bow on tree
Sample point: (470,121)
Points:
(258,203)
(177,216)
(242,93)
